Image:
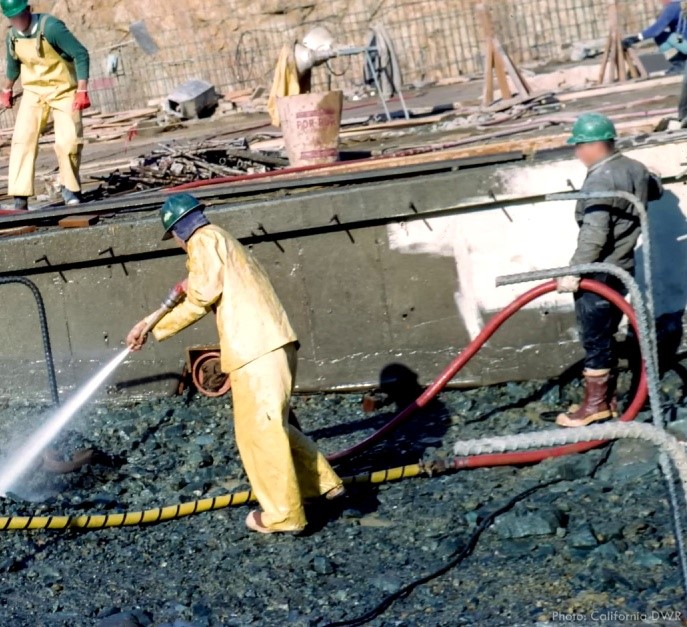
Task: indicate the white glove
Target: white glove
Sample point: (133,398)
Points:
(567,284)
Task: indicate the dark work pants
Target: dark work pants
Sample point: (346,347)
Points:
(598,321)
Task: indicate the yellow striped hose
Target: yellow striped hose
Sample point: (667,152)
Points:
(173,512)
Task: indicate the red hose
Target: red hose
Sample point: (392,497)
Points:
(524,457)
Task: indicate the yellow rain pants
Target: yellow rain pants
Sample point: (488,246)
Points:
(49,84)
(258,350)
(283,465)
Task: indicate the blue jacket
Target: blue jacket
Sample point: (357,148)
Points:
(668,20)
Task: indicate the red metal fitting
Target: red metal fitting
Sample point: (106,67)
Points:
(207,375)
(372,401)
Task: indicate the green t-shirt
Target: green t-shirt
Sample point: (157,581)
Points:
(60,38)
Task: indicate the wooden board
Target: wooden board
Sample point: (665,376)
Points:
(602,90)
(18,230)
(526,145)
(78,222)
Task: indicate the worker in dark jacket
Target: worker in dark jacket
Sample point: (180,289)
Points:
(54,69)
(669,31)
(609,229)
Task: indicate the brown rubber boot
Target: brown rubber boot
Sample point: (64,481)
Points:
(611,397)
(596,405)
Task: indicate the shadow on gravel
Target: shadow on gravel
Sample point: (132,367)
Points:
(359,501)
(549,389)
(409,442)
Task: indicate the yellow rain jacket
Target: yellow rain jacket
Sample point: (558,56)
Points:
(258,349)
(222,274)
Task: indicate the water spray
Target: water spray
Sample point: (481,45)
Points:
(26,455)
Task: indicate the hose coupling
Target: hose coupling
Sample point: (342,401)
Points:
(175,296)
(435,466)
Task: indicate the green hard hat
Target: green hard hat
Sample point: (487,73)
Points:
(592,127)
(12,8)
(175,208)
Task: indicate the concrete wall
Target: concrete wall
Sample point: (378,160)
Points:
(407,277)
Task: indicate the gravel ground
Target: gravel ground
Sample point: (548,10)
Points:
(595,547)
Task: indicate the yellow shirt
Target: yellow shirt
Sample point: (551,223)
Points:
(223,275)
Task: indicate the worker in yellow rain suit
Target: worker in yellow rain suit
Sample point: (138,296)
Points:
(258,350)
(54,70)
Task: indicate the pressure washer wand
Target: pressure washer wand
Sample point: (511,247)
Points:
(175,296)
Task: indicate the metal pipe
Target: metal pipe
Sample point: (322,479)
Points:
(45,333)
(371,68)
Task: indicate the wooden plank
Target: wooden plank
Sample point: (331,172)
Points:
(614,61)
(622,70)
(119,123)
(482,11)
(637,63)
(501,76)
(18,230)
(361,132)
(488,92)
(634,72)
(517,79)
(78,222)
(603,90)
(523,81)
(239,93)
(604,62)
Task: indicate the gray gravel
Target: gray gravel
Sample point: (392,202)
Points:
(599,543)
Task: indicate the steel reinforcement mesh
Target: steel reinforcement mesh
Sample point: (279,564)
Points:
(434,40)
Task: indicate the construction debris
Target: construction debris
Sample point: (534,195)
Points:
(178,163)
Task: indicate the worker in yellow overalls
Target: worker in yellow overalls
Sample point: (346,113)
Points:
(258,347)
(54,70)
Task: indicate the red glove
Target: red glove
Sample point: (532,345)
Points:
(81,101)
(7,98)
